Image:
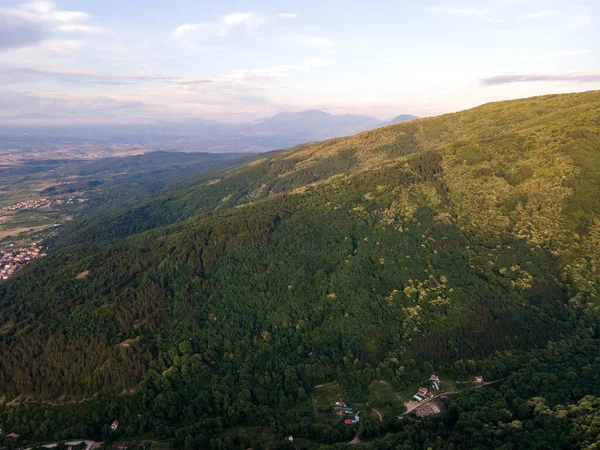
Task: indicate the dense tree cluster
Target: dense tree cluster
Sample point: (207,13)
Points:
(437,245)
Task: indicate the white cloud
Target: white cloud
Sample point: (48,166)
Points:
(30,24)
(238,18)
(561,53)
(61,47)
(265,75)
(574,77)
(21,74)
(317,62)
(40,7)
(70,16)
(313,41)
(31,107)
(46,10)
(247,92)
(77,28)
(546,14)
(183,30)
(454,11)
(250,22)
(287,15)
(576,23)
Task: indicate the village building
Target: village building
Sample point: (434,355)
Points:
(14,259)
(114,425)
(479,379)
(44,203)
(356,419)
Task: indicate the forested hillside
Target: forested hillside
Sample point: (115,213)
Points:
(466,244)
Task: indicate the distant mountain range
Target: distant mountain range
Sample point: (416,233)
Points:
(315,123)
(281,131)
(402,118)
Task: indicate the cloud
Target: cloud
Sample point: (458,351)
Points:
(245,92)
(23,74)
(317,62)
(247,19)
(183,30)
(40,7)
(18,31)
(453,11)
(576,23)
(287,15)
(313,41)
(571,24)
(46,107)
(77,28)
(47,10)
(61,47)
(242,77)
(566,53)
(31,23)
(267,77)
(250,22)
(541,77)
(546,14)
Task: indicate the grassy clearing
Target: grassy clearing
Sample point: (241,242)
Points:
(407,394)
(83,275)
(129,342)
(323,399)
(384,397)
(447,384)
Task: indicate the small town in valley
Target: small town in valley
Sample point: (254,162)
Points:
(42,203)
(12,260)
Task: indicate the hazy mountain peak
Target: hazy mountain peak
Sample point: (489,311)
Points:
(403,118)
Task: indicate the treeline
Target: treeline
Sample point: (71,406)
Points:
(549,401)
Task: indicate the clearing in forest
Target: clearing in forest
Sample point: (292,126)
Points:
(385,398)
(324,400)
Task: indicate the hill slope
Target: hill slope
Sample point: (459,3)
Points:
(430,244)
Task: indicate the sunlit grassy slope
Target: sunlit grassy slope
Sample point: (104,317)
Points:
(556,135)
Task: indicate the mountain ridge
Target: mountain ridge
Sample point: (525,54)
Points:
(462,244)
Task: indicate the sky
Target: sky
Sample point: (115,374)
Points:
(109,61)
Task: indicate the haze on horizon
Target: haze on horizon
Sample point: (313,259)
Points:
(118,62)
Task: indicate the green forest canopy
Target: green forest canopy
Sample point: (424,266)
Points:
(466,243)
